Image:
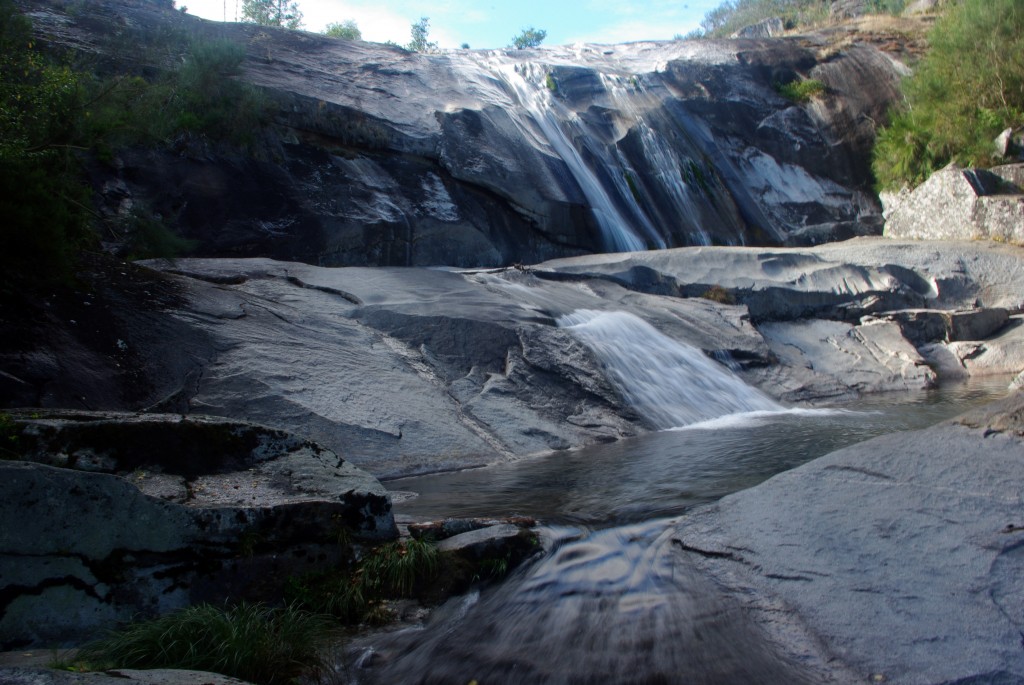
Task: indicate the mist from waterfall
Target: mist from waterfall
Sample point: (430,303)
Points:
(670,383)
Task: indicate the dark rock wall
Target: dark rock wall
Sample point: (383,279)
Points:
(378,156)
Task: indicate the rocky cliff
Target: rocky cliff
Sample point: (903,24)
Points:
(379,156)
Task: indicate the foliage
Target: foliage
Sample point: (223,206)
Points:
(8,437)
(733,15)
(51,116)
(396,569)
(717,293)
(253,642)
(418,33)
(346,30)
(42,200)
(146,237)
(894,7)
(284,13)
(529,38)
(800,90)
(966,89)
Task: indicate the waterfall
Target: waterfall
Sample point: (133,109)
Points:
(615,228)
(670,383)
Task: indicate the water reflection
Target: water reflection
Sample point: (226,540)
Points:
(663,473)
(622,605)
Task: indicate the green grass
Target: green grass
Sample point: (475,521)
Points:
(398,568)
(801,91)
(254,642)
(717,293)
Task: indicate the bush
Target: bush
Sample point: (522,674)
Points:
(43,203)
(353,595)
(800,91)
(529,38)
(253,642)
(966,89)
(346,30)
(733,15)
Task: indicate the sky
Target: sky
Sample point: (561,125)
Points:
(493,23)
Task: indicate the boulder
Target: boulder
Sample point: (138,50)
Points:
(899,558)
(958,204)
(442,530)
(1000,354)
(923,326)
(113,516)
(921,7)
(766,28)
(848,9)
(1009,145)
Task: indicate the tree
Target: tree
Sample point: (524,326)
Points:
(419,32)
(529,38)
(346,30)
(966,89)
(284,13)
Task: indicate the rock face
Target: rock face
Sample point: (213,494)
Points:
(960,204)
(111,516)
(406,371)
(378,156)
(888,557)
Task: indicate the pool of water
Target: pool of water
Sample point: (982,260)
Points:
(664,473)
(615,600)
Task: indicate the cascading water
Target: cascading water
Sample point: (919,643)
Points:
(648,180)
(616,229)
(670,383)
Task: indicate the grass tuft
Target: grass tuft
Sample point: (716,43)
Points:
(254,642)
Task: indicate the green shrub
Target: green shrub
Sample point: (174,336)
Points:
(44,204)
(528,38)
(967,88)
(800,90)
(733,15)
(356,593)
(9,437)
(253,642)
(398,568)
(346,30)
(717,293)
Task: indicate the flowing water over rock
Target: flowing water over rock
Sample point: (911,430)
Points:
(671,383)
(621,606)
(615,600)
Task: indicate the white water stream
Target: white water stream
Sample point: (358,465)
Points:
(669,382)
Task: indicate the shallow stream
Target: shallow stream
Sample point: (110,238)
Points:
(614,600)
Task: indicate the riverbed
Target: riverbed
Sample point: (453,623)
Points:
(613,599)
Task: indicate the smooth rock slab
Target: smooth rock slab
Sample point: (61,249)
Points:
(902,556)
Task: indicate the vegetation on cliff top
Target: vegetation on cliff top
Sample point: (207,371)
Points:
(54,118)
(966,90)
(733,15)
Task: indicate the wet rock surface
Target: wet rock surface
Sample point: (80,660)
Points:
(890,556)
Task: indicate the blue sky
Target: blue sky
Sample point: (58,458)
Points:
(493,23)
